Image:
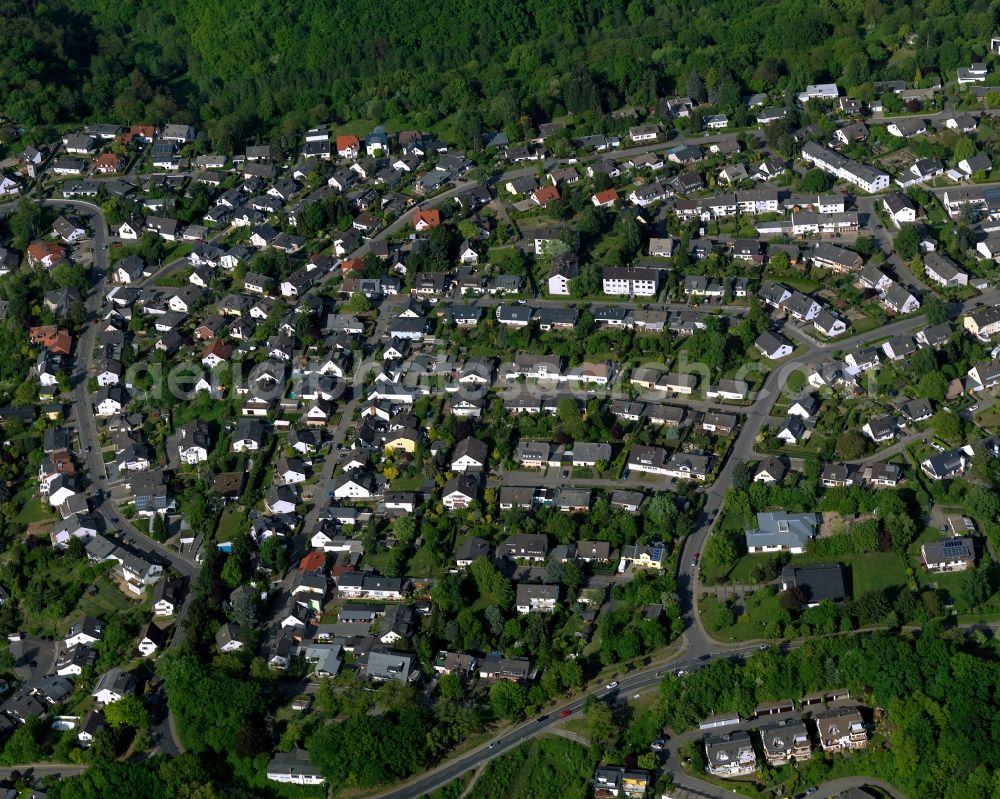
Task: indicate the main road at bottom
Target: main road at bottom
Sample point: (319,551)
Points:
(624,688)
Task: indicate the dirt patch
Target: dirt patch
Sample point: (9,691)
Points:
(832,523)
(40,529)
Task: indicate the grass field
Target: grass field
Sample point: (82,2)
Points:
(34,510)
(108,601)
(231,522)
(542,767)
(761,609)
(875,571)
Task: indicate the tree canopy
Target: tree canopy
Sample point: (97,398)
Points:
(501,62)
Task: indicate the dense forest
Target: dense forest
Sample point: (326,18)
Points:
(269,69)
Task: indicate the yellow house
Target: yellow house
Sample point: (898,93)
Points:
(645,557)
(402,441)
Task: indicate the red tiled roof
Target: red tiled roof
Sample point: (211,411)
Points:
(54,339)
(314,561)
(430,218)
(218,347)
(546,194)
(40,250)
(347,142)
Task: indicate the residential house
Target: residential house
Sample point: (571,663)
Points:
(770,471)
(730,755)
(817,583)
(531,597)
(841,729)
(785,741)
(948,555)
(112,686)
(294,767)
(780,531)
(773,345)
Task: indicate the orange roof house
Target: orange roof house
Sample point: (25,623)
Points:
(605,199)
(55,339)
(545,195)
(45,253)
(348,146)
(314,561)
(62,462)
(216,352)
(143,132)
(351,265)
(109,162)
(425,220)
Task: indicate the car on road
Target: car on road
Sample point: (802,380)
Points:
(612,685)
(565,714)
(540,719)
(494,745)
(705,657)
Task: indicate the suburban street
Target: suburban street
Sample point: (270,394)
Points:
(99,495)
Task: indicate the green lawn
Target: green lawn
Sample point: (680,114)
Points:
(761,609)
(545,766)
(175,279)
(422,563)
(34,510)
(863,325)
(875,571)
(407,483)
(108,600)
(232,521)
